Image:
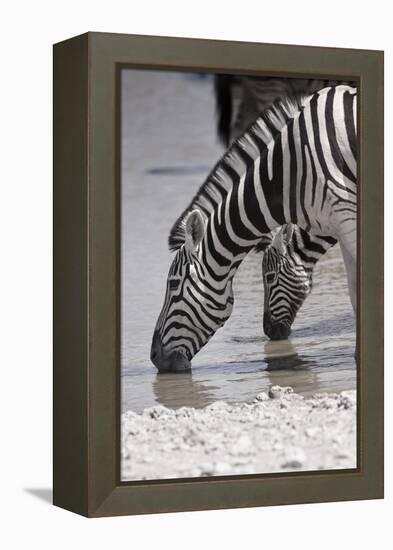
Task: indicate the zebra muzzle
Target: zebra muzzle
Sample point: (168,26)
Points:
(175,361)
(275,330)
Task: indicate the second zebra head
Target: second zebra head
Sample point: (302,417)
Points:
(286,284)
(287,269)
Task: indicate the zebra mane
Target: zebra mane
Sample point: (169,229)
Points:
(219,182)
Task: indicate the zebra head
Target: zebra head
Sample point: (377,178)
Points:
(286,284)
(196,304)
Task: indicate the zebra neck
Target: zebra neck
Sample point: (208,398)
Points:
(307,248)
(238,223)
(251,207)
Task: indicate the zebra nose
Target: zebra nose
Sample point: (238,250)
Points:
(267,323)
(275,330)
(279,332)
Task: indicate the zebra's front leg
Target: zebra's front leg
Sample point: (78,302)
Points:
(348,249)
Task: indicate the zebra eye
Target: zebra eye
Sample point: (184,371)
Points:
(270,277)
(174,284)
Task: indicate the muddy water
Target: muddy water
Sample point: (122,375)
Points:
(168,148)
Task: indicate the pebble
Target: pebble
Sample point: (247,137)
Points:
(207,469)
(185,412)
(319,396)
(342,455)
(219,406)
(240,460)
(158,411)
(348,399)
(130,428)
(294,458)
(337,440)
(312,431)
(263,396)
(277,392)
(329,403)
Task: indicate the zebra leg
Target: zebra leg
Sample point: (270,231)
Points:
(349,256)
(350,266)
(348,249)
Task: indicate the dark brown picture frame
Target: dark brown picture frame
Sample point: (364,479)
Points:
(86,274)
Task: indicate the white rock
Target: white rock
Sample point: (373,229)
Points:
(206,469)
(348,399)
(157,412)
(263,396)
(294,458)
(276,392)
(312,431)
(342,454)
(320,396)
(328,403)
(130,415)
(185,412)
(218,406)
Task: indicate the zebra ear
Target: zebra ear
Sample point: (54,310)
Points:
(288,233)
(283,237)
(195,228)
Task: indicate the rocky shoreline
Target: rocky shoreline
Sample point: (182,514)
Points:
(280,431)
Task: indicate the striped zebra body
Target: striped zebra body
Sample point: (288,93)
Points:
(296,164)
(239,100)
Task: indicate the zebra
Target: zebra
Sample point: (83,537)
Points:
(296,164)
(287,266)
(287,269)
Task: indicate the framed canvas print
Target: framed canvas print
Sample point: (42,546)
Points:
(218,274)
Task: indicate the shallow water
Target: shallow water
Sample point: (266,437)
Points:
(168,148)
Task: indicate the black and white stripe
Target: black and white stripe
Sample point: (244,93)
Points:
(296,164)
(239,100)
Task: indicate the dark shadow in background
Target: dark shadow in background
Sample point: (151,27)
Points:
(45,495)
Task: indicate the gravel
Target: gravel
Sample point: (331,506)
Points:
(280,431)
